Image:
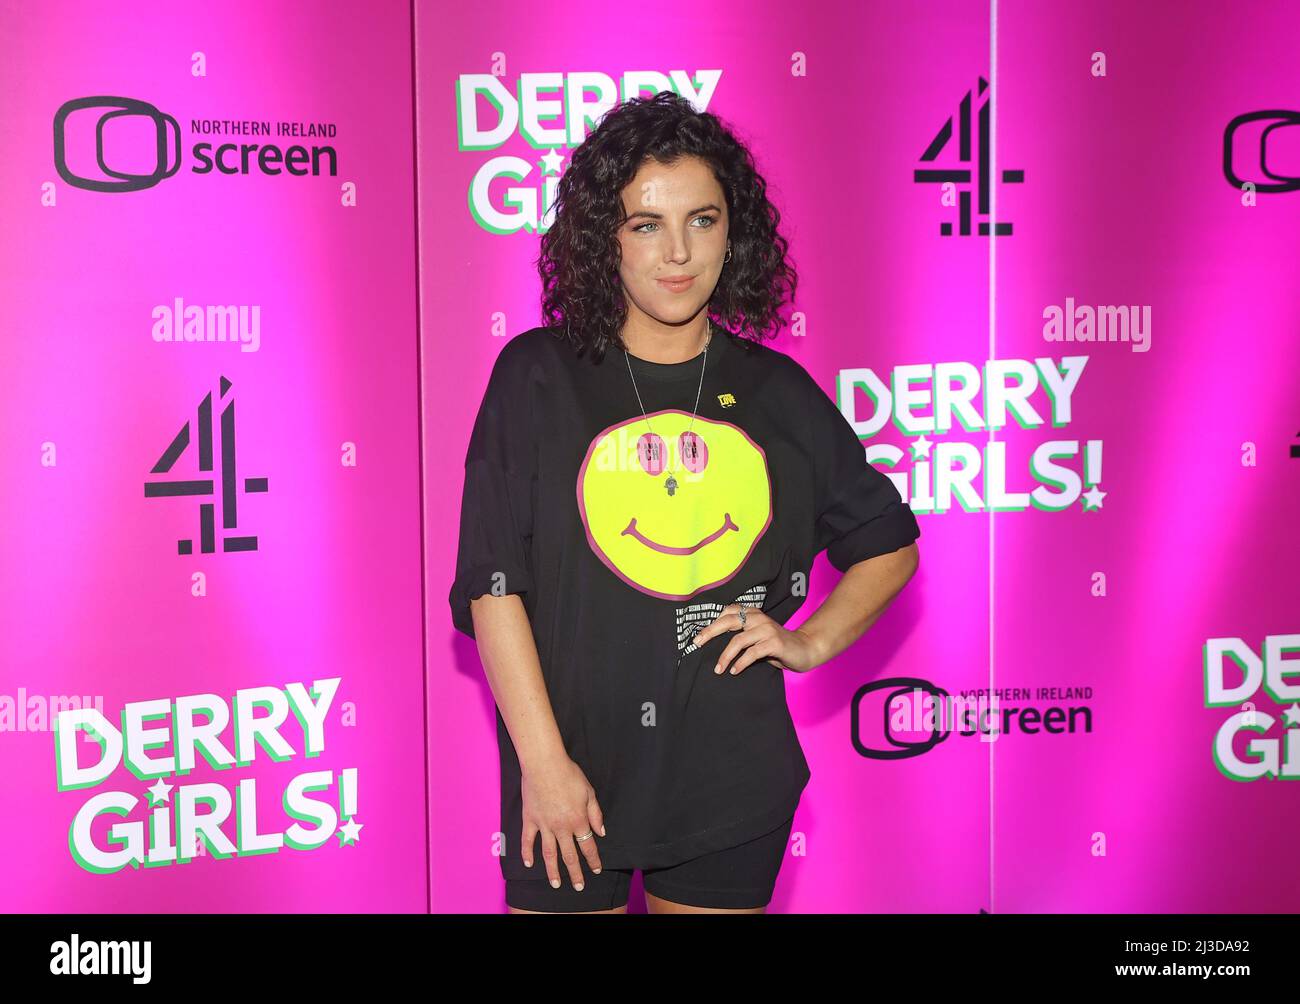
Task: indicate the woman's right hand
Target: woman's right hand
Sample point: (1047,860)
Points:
(560,803)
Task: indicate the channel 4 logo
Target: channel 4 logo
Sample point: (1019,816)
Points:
(970,145)
(203,487)
(115,108)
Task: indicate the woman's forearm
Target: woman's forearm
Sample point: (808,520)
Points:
(509,653)
(857,601)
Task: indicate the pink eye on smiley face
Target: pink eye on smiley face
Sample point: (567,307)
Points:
(652,452)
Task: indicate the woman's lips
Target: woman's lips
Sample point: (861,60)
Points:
(677,287)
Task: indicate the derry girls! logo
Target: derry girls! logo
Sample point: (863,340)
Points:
(164,824)
(1271,752)
(551,112)
(924,400)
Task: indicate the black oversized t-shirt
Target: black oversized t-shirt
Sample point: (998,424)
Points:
(566,504)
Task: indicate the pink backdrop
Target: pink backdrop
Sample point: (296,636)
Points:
(1123,201)
(97,601)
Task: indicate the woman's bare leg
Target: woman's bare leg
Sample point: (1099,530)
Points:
(654,904)
(617,909)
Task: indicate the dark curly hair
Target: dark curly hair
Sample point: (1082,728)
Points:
(582,298)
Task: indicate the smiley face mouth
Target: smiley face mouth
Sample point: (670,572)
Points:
(665,549)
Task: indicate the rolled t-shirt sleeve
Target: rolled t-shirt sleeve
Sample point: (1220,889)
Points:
(859,512)
(496,511)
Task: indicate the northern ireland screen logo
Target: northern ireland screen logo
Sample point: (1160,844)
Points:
(904,717)
(1248,163)
(116,144)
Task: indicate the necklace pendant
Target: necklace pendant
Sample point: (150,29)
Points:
(671,484)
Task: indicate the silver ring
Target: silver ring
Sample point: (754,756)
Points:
(585,836)
(742,617)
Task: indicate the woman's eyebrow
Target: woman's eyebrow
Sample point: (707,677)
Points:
(660,216)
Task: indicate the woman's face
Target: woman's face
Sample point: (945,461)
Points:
(676,226)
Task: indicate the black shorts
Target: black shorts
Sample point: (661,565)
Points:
(737,878)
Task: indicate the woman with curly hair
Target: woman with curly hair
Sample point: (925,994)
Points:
(641,511)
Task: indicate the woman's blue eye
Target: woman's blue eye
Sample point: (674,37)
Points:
(707,219)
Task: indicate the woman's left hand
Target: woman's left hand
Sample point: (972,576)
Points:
(761,638)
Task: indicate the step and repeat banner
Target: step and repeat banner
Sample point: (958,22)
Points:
(1088,695)
(210,690)
(1148,595)
(236,416)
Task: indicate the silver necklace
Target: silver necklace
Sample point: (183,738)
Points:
(671,483)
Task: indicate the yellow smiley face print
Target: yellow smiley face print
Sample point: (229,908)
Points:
(674,538)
